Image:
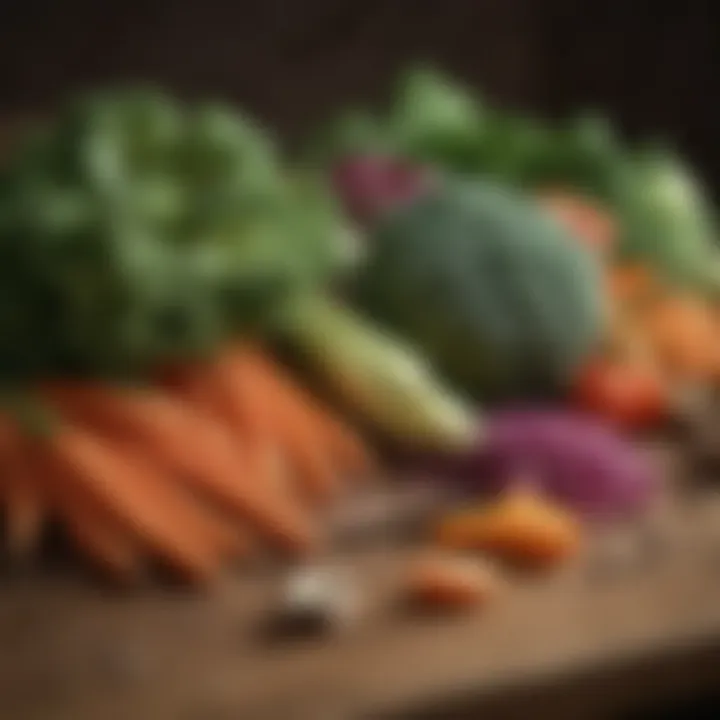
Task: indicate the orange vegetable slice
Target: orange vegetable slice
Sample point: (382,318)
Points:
(521,527)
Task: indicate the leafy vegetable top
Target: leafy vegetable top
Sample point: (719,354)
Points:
(436,120)
(660,205)
(135,229)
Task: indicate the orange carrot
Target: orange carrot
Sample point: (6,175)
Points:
(291,423)
(95,533)
(344,444)
(250,402)
(229,534)
(194,446)
(24,510)
(234,387)
(300,420)
(105,546)
(94,530)
(138,498)
(631,285)
(218,390)
(24,506)
(9,435)
(226,389)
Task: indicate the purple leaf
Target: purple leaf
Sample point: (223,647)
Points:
(369,185)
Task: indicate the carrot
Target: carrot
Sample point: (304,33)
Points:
(218,390)
(344,444)
(105,546)
(292,423)
(229,534)
(254,406)
(95,532)
(139,499)
(24,507)
(299,417)
(195,447)
(24,510)
(225,388)
(351,454)
(235,387)
(631,285)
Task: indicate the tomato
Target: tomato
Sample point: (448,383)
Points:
(630,394)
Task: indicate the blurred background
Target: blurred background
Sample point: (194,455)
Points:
(652,66)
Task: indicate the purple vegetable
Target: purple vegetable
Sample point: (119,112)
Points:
(368,185)
(573,458)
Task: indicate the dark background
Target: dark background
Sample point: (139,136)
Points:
(653,66)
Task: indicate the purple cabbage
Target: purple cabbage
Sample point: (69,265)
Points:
(369,185)
(573,458)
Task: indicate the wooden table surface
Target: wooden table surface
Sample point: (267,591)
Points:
(579,643)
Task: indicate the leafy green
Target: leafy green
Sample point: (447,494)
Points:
(667,219)
(665,216)
(135,229)
(435,118)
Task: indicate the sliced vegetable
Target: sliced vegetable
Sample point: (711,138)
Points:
(447,582)
(521,527)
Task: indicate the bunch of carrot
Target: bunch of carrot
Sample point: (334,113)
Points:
(188,472)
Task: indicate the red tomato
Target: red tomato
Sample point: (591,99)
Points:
(631,395)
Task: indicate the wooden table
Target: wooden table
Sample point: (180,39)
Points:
(577,644)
